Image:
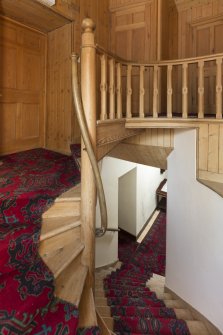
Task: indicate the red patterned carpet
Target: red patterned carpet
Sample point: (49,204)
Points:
(29,182)
(134,308)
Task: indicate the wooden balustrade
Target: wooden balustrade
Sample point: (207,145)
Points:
(219,88)
(185,92)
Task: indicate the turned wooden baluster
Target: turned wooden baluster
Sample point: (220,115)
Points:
(219,89)
(185,91)
(111,89)
(141,93)
(103,87)
(155,91)
(119,91)
(88,188)
(169,91)
(201,89)
(129,92)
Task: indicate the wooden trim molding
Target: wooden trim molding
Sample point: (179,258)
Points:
(117,4)
(185,4)
(212,329)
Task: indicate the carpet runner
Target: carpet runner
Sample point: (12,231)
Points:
(30,181)
(134,308)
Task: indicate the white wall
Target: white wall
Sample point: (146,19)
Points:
(143,181)
(127,202)
(107,246)
(194,233)
(148,179)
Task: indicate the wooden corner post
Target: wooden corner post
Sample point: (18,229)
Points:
(88,188)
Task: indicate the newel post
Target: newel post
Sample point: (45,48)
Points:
(88,189)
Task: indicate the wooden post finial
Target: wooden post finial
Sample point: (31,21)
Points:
(88,25)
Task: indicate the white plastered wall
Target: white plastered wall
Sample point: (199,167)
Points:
(148,179)
(127,204)
(107,246)
(142,181)
(194,267)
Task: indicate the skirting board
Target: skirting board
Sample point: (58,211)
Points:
(213,330)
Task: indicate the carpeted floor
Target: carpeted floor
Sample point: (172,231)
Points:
(126,246)
(134,308)
(29,183)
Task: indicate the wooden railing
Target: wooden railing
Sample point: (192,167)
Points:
(183,88)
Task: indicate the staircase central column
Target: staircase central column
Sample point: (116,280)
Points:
(88,188)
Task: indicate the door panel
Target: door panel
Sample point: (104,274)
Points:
(22,87)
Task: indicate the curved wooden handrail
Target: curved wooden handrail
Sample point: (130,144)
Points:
(181,61)
(89,147)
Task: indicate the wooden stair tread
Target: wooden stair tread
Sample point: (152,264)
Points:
(174,303)
(60,259)
(183,314)
(105,311)
(69,285)
(63,209)
(55,225)
(197,328)
(71,195)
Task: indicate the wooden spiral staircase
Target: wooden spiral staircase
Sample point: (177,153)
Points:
(61,248)
(67,242)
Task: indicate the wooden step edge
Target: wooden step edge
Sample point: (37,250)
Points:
(87,309)
(197,328)
(76,223)
(100,301)
(73,194)
(183,314)
(104,311)
(62,210)
(109,322)
(69,285)
(77,250)
(173,303)
(104,330)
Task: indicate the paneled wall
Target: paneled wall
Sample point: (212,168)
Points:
(22,87)
(200,26)
(211,152)
(134,32)
(62,126)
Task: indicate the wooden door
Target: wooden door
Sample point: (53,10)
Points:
(22,87)
(206,41)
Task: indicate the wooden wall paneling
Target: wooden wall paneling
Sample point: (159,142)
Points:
(98,10)
(34,14)
(69,8)
(173,31)
(203,147)
(134,30)
(154,137)
(62,126)
(22,85)
(213,148)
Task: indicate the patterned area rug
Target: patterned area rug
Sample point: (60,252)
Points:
(29,182)
(134,308)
